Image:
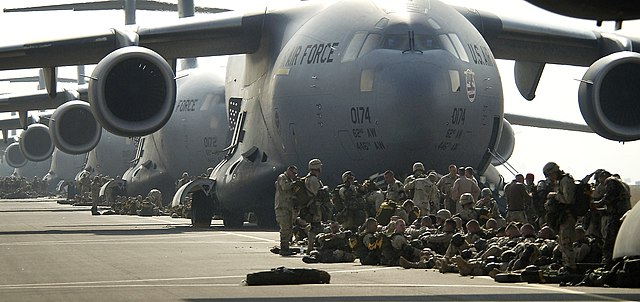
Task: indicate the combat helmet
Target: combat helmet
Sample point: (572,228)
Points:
(418,166)
(549,168)
(345,176)
(315,164)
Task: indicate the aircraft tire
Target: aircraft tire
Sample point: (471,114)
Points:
(233,219)
(201,210)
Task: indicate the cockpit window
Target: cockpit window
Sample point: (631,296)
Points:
(458,45)
(354,46)
(372,42)
(453,45)
(401,42)
(448,45)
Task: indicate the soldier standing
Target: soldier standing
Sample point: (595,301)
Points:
(353,211)
(421,189)
(395,188)
(465,184)
(313,185)
(517,198)
(182,181)
(95,195)
(85,184)
(614,203)
(559,200)
(444,185)
(285,213)
(155,197)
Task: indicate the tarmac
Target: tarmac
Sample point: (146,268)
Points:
(54,252)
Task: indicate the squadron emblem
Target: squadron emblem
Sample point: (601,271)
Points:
(470,82)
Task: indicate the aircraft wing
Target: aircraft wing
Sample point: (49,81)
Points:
(219,34)
(531,41)
(112,5)
(523,120)
(39,100)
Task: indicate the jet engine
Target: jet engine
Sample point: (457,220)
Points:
(14,157)
(132,91)
(73,128)
(609,94)
(35,143)
(505,145)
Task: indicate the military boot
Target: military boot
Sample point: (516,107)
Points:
(422,264)
(464,267)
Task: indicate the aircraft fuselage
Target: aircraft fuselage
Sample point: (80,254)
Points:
(364,86)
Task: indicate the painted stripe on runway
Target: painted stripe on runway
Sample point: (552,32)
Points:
(574,292)
(127,284)
(138,239)
(251,237)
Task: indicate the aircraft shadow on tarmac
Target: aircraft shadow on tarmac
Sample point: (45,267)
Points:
(154,229)
(451,297)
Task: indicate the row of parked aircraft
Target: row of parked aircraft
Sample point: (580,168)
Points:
(365,84)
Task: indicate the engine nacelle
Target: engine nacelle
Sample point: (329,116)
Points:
(14,157)
(609,94)
(132,91)
(35,143)
(505,145)
(73,128)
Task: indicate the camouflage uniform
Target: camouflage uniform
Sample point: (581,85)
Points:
(95,194)
(285,214)
(464,185)
(561,198)
(517,199)
(155,197)
(425,193)
(313,185)
(395,191)
(444,185)
(616,202)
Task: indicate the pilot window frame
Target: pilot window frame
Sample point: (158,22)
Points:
(372,42)
(353,49)
(458,46)
(447,45)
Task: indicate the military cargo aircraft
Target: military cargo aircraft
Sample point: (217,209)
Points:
(362,85)
(198,128)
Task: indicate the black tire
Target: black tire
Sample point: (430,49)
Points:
(201,210)
(233,219)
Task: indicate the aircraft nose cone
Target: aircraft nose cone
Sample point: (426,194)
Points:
(414,95)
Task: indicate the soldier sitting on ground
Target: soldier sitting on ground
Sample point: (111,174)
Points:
(333,247)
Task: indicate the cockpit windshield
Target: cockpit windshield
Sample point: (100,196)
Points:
(402,42)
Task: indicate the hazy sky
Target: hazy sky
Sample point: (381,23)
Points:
(577,153)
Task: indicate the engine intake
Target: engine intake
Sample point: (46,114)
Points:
(14,157)
(35,143)
(73,128)
(608,96)
(132,91)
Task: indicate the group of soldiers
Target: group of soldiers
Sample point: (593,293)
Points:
(450,223)
(19,187)
(152,204)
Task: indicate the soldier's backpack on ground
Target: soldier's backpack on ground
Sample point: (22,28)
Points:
(289,276)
